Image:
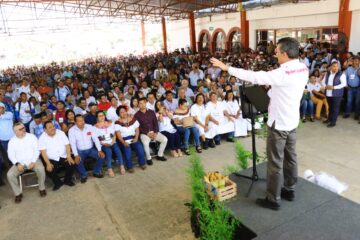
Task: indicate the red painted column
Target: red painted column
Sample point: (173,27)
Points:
(345,17)
(192,32)
(164,34)
(244,29)
(143,35)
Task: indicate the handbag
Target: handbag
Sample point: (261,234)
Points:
(188,122)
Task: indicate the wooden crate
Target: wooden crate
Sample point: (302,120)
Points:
(221,194)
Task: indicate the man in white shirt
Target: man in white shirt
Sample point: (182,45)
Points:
(195,75)
(334,82)
(55,150)
(287,84)
(23,152)
(151,100)
(160,73)
(111,112)
(84,144)
(24,110)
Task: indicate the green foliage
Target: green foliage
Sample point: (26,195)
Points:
(215,221)
(242,155)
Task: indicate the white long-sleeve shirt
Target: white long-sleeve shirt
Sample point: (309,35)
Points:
(111,114)
(23,150)
(83,139)
(287,86)
(329,93)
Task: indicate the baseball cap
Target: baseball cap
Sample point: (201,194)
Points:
(2,105)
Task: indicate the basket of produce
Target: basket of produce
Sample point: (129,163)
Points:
(219,187)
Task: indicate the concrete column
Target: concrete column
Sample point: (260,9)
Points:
(163,23)
(244,29)
(142,23)
(345,17)
(192,32)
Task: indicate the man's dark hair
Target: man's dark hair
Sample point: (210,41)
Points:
(182,101)
(46,123)
(150,93)
(290,46)
(142,99)
(78,116)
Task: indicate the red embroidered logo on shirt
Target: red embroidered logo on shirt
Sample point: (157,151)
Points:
(296,71)
(88,133)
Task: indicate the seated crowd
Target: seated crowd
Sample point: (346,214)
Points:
(58,117)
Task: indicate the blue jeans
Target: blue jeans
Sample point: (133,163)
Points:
(3,155)
(353,95)
(307,104)
(173,140)
(84,154)
(127,151)
(108,155)
(185,132)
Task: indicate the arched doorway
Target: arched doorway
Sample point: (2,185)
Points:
(204,41)
(234,40)
(218,41)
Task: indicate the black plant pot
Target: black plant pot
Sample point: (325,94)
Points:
(240,233)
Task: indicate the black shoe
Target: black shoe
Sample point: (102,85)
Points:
(217,142)
(70,184)
(311,119)
(356,117)
(211,143)
(331,125)
(83,180)
(149,162)
(346,115)
(161,158)
(205,145)
(287,195)
(264,202)
(186,151)
(57,187)
(326,121)
(99,175)
(18,198)
(42,193)
(230,140)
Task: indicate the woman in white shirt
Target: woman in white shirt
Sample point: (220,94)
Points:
(180,114)
(127,133)
(167,128)
(233,113)
(106,135)
(200,115)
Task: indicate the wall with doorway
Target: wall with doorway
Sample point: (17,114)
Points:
(318,14)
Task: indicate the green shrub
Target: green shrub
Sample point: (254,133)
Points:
(214,219)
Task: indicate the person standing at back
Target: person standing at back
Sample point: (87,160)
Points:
(287,83)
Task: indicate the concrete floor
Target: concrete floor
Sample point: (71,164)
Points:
(150,204)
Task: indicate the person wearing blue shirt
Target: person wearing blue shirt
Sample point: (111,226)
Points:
(6,133)
(353,93)
(62,91)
